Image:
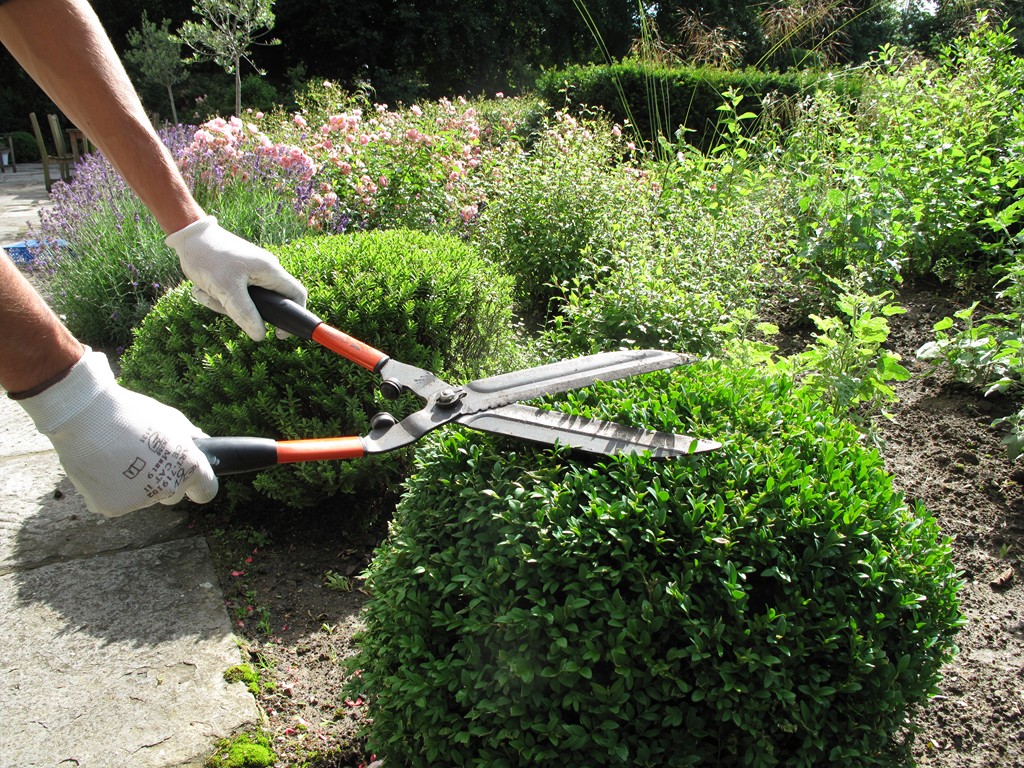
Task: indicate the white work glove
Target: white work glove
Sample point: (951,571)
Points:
(123,451)
(222,266)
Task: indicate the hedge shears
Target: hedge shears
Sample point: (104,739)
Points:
(491,404)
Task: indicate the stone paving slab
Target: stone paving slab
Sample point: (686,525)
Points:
(117,660)
(22,197)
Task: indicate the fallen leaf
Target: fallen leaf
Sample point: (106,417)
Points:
(1002,581)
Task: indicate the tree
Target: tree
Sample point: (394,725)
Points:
(225,33)
(156,54)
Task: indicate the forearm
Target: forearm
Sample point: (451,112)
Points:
(63,46)
(35,347)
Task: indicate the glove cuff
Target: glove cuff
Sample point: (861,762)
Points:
(87,379)
(196,229)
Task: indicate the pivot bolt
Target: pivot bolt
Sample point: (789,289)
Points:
(391,389)
(382,421)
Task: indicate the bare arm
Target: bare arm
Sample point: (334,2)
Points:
(35,346)
(63,46)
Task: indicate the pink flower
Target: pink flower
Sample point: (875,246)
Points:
(300,121)
(416,111)
(468,212)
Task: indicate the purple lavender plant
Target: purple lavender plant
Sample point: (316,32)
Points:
(103,252)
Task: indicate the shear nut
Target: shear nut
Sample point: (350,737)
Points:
(449,397)
(382,421)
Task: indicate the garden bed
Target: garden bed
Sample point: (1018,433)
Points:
(940,448)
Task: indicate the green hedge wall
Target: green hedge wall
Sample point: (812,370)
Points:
(658,100)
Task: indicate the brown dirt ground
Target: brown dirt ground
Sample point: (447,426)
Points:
(940,447)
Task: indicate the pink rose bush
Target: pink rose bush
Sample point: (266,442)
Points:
(225,150)
(419,167)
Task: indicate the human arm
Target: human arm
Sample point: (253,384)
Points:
(123,451)
(63,46)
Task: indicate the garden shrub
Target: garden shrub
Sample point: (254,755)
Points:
(569,193)
(426,300)
(775,603)
(418,167)
(709,255)
(26,149)
(909,182)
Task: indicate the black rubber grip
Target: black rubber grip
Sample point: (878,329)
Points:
(284,313)
(235,455)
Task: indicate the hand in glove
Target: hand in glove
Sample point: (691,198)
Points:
(223,266)
(122,450)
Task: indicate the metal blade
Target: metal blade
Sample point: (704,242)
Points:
(591,435)
(487,394)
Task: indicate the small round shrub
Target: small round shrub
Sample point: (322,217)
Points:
(425,300)
(26,148)
(775,603)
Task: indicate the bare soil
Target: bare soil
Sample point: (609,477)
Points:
(294,588)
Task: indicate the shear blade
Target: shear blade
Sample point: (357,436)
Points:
(551,379)
(591,435)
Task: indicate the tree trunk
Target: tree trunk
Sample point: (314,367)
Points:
(174,111)
(238,88)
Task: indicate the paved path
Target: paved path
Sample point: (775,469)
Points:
(22,196)
(113,633)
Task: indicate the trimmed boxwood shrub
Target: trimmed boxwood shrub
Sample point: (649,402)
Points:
(426,300)
(775,603)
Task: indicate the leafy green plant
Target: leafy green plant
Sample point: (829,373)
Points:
(26,149)
(337,582)
(710,250)
(429,301)
(846,367)
(987,352)
(908,182)
(775,603)
(566,195)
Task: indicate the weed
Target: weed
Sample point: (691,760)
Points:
(337,582)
